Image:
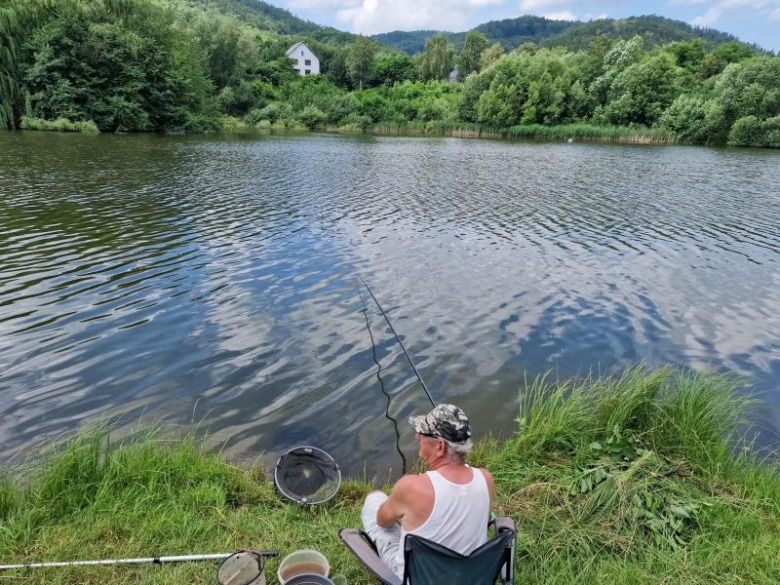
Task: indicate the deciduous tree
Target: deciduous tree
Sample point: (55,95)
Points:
(360,60)
(438,58)
(491,55)
(471,55)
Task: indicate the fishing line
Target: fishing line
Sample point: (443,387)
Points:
(382,382)
(398,339)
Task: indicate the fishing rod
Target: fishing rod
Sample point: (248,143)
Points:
(152,560)
(398,339)
(382,382)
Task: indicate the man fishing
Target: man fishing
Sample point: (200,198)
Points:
(450,504)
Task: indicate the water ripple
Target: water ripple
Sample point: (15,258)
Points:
(209,280)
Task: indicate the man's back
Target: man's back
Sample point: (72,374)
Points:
(459,513)
(417,492)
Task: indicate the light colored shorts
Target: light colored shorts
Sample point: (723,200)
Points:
(387,540)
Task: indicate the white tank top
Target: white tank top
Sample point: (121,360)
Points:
(460,515)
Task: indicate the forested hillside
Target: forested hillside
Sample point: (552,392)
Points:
(513,32)
(654,30)
(211,65)
(268,17)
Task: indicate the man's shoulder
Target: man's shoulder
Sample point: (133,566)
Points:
(484,471)
(413,482)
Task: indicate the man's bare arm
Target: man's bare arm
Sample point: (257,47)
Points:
(395,507)
(491,487)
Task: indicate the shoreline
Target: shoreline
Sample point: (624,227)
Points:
(635,479)
(577,133)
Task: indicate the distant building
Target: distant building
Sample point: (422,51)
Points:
(305,62)
(453,76)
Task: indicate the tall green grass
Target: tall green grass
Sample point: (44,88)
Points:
(587,132)
(640,478)
(575,132)
(59,125)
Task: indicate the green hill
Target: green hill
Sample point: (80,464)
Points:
(268,17)
(513,32)
(655,30)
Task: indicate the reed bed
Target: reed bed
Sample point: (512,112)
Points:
(59,125)
(574,132)
(641,478)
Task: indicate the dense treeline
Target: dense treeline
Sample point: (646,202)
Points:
(574,35)
(151,65)
(654,30)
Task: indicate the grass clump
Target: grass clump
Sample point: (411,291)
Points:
(642,478)
(563,132)
(59,125)
(588,132)
(232,125)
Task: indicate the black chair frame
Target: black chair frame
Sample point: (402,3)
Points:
(359,543)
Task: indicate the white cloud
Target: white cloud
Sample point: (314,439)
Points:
(535,5)
(562,15)
(486,2)
(320,4)
(709,17)
(713,14)
(754,4)
(375,16)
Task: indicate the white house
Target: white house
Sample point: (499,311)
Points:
(305,62)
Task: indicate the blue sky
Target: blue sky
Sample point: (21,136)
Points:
(754,21)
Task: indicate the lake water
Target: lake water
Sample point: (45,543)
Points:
(208,282)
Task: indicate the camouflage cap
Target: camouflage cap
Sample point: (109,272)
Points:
(446,421)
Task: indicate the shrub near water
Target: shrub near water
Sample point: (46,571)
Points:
(626,480)
(59,125)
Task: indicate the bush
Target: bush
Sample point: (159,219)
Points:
(357,122)
(312,117)
(59,125)
(772,130)
(254,116)
(272,112)
(686,118)
(747,131)
(231,124)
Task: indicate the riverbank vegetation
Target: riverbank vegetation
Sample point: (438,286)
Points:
(58,125)
(643,478)
(196,66)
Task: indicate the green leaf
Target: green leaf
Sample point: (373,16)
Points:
(680,512)
(595,446)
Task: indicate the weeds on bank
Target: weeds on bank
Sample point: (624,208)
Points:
(59,125)
(643,478)
(575,132)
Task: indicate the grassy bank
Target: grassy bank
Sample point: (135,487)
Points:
(59,125)
(641,479)
(577,132)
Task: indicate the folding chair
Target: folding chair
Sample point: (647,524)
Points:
(428,563)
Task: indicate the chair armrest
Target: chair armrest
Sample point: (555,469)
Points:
(357,541)
(505,524)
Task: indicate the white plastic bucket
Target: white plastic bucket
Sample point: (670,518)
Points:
(301,562)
